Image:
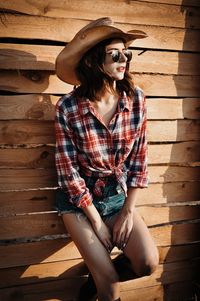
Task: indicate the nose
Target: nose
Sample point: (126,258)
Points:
(123,58)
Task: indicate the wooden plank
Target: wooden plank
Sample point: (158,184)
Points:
(148,294)
(176,234)
(43,156)
(151,215)
(183,152)
(176,2)
(36,225)
(45,251)
(42,132)
(42,57)
(18,202)
(61,290)
(165,62)
(181,291)
(160,174)
(169,193)
(28,57)
(31,226)
(177,130)
(15,179)
(20,254)
(55,290)
(161,215)
(178,253)
(35,81)
(42,107)
(141,13)
(167,108)
(42,272)
(38,157)
(30,106)
(167,273)
(29,131)
(27,179)
(168,85)
(29,27)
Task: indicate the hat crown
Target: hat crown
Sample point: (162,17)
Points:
(99,22)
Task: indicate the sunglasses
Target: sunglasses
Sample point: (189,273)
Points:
(117,55)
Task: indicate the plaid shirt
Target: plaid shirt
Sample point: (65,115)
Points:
(85,145)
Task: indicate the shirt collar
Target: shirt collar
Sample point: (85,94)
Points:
(85,105)
(124,103)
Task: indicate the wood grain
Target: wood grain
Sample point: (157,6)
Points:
(141,13)
(42,132)
(43,156)
(57,29)
(40,57)
(44,251)
(35,81)
(21,202)
(42,107)
(175,2)
(15,227)
(176,234)
(19,179)
(165,274)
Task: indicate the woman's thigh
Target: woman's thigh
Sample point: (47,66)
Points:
(92,250)
(140,249)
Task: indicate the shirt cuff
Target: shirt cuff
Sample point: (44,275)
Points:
(84,201)
(138,180)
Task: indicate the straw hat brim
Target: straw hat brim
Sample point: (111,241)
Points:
(68,59)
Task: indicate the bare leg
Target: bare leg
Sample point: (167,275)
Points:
(95,256)
(140,249)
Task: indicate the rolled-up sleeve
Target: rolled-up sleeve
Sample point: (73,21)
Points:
(69,178)
(136,163)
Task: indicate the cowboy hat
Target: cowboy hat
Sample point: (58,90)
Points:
(90,35)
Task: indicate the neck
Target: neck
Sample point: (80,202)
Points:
(107,94)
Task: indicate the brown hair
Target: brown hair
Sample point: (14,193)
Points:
(93,78)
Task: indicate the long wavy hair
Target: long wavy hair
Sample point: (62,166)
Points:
(92,77)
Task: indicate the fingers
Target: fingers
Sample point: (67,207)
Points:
(108,245)
(121,239)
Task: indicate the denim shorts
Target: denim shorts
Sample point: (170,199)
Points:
(108,204)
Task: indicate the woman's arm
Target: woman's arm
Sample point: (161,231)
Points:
(136,166)
(100,228)
(124,222)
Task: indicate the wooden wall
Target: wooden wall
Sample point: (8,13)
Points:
(38,261)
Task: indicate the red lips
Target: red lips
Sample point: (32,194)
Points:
(121,69)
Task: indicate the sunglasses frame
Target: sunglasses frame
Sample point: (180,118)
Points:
(116,55)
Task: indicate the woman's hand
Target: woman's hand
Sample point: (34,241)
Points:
(122,229)
(103,233)
(100,228)
(124,222)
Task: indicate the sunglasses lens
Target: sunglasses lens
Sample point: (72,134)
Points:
(115,56)
(128,54)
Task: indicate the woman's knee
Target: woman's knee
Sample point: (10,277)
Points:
(147,265)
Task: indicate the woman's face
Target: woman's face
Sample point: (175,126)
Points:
(117,69)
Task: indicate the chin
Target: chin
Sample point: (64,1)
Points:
(119,77)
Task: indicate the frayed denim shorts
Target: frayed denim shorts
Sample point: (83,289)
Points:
(109,203)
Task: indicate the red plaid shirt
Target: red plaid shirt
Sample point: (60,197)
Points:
(85,144)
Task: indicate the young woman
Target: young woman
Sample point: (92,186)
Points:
(101,155)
